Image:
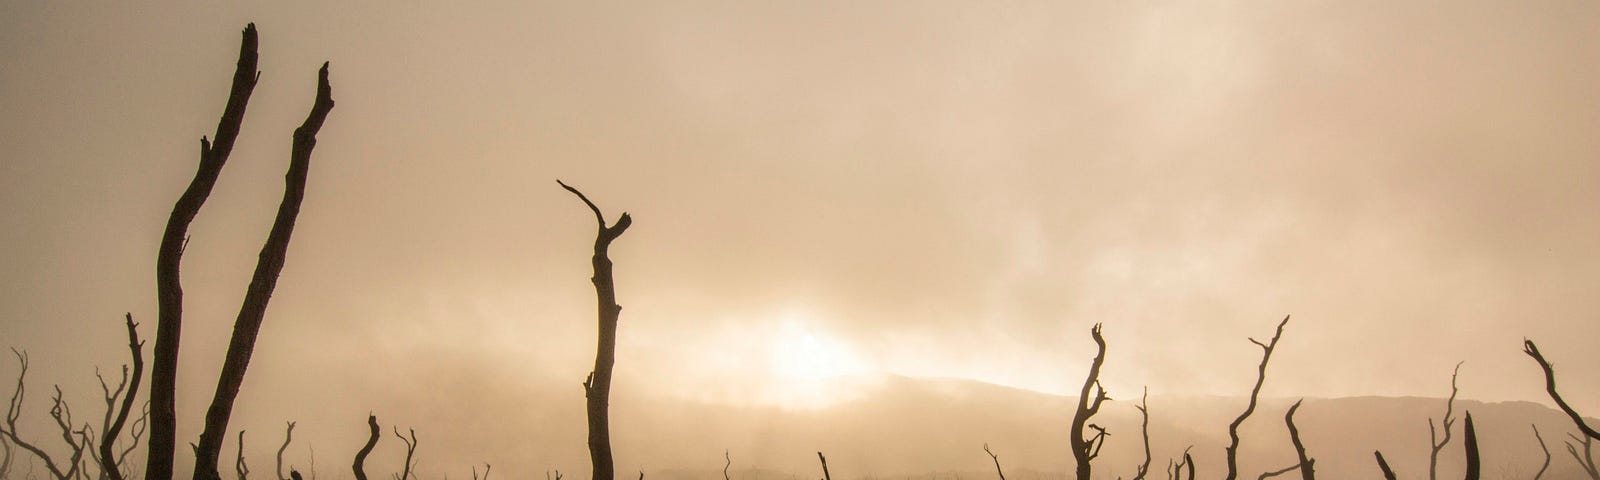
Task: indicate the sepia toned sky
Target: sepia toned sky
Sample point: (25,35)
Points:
(819,189)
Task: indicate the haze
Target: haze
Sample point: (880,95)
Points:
(821,191)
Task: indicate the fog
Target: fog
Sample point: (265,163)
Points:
(820,190)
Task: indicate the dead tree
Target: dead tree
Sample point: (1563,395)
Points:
(597,387)
(1388,474)
(270,264)
(1306,464)
(1585,461)
(169,289)
(1470,437)
(1544,448)
(992,456)
(1449,422)
(1175,469)
(359,467)
(1261,376)
(727,462)
(77,441)
(288,435)
(1550,386)
(111,427)
(1086,449)
(411,451)
(1144,434)
(824,460)
(238,463)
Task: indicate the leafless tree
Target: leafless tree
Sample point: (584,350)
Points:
(1550,386)
(77,441)
(238,463)
(597,387)
(359,467)
(111,463)
(411,450)
(1544,448)
(1586,460)
(1085,450)
(1448,422)
(1144,434)
(1388,474)
(288,435)
(1261,376)
(169,289)
(1307,464)
(1470,437)
(270,264)
(996,459)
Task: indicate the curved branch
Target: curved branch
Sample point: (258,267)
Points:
(1261,376)
(1388,474)
(359,467)
(1550,386)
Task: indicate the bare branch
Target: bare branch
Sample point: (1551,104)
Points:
(359,467)
(288,435)
(1261,376)
(1448,421)
(411,450)
(1306,465)
(1144,434)
(1550,386)
(824,460)
(1388,474)
(238,463)
(111,466)
(994,457)
(1544,448)
(727,462)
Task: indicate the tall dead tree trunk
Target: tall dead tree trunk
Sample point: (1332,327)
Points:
(1086,449)
(1261,376)
(597,387)
(169,289)
(268,266)
(1550,386)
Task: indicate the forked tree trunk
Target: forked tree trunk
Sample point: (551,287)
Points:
(597,388)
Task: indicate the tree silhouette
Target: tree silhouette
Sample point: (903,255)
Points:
(1261,376)
(597,387)
(1086,449)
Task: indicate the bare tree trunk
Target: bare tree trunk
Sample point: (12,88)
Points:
(1306,463)
(268,266)
(1144,434)
(109,465)
(1471,439)
(1261,376)
(288,435)
(1550,386)
(169,289)
(1388,474)
(1449,422)
(824,460)
(359,467)
(1084,450)
(597,388)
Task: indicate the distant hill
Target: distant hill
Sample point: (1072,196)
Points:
(936,428)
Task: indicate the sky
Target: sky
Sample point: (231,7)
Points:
(819,189)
